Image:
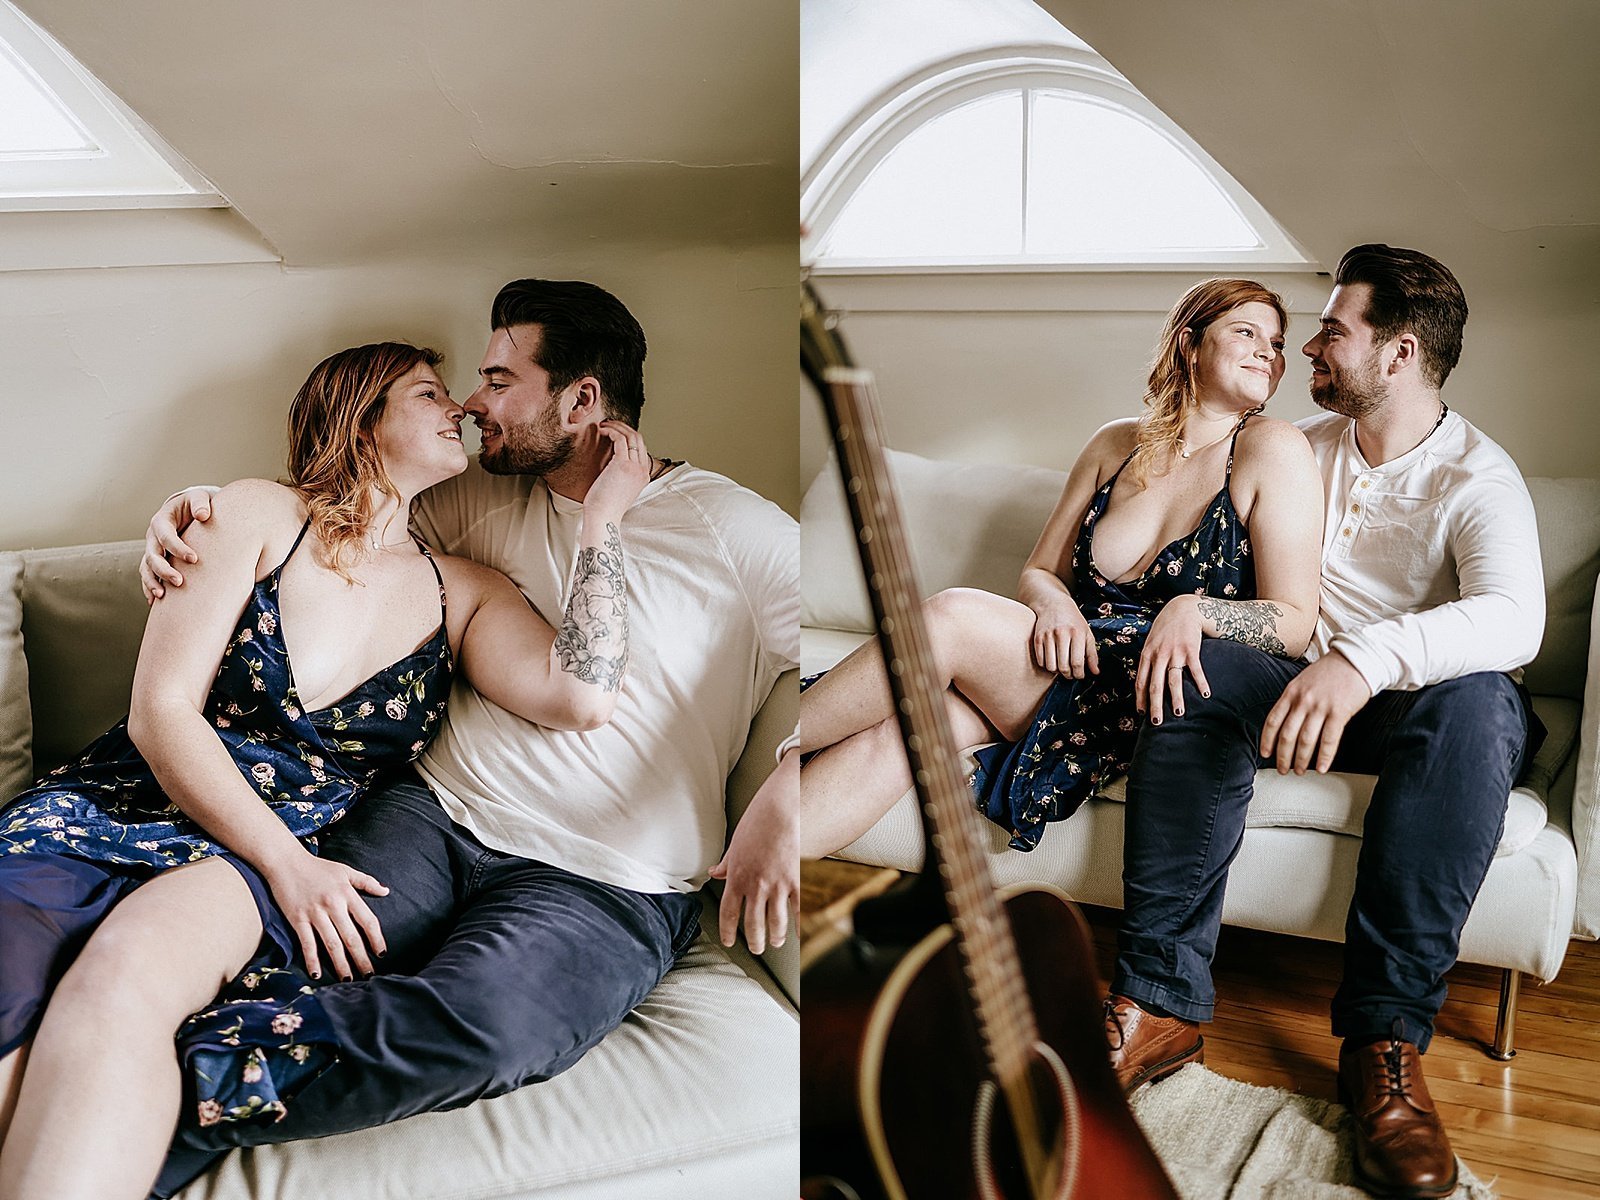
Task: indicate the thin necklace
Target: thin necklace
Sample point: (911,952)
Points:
(1444,411)
(1185,450)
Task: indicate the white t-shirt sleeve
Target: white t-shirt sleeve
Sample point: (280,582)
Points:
(1498,622)
(762,544)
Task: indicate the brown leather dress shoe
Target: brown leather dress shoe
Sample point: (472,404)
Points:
(1401,1147)
(1145,1047)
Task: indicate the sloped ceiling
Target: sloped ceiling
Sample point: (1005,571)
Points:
(1466,128)
(346,130)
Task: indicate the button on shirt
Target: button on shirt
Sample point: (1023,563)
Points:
(1430,562)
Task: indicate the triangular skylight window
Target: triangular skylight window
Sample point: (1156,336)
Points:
(67,142)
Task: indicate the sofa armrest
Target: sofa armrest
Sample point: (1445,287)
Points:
(773,723)
(1586,792)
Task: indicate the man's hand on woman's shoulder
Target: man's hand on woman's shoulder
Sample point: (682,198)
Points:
(163,540)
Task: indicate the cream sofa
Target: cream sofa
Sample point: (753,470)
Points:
(694,1096)
(973,525)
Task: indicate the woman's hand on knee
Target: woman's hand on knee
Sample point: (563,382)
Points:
(1171,648)
(323,904)
(1062,642)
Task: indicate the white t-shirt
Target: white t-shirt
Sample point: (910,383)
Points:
(713,620)
(1430,562)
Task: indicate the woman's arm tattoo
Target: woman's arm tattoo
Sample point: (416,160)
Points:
(593,641)
(1248,622)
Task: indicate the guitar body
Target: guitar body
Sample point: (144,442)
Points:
(897,1101)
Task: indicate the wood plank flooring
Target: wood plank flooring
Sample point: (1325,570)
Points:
(1531,1125)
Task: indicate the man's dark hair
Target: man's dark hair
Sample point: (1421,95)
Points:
(584,330)
(1414,293)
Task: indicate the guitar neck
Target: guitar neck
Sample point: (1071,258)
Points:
(1004,1015)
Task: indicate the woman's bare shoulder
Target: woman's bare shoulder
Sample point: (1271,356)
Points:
(1273,442)
(255,506)
(1110,444)
(470,582)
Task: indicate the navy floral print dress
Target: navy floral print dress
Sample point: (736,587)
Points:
(1083,734)
(91,831)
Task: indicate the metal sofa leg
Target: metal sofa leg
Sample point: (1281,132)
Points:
(1505,1025)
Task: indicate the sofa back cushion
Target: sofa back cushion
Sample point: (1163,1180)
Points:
(82,619)
(1568,511)
(16,720)
(974,524)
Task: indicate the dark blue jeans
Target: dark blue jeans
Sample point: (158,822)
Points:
(1446,758)
(500,972)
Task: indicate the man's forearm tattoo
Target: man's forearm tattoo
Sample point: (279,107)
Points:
(1249,622)
(593,641)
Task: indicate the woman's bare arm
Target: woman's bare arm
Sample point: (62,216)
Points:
(1061,638)
(183,645)
(1277,486)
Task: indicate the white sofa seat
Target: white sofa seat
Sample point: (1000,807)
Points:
(973,525)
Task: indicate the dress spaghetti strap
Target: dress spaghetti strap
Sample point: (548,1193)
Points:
(300,538)
(444,604)
(1234,444)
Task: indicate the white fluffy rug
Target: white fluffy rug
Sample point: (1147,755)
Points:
(1224,1140)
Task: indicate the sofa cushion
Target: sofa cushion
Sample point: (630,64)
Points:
(83,618)
(971,525)
(1569,544)
(16,721)
(633,1118)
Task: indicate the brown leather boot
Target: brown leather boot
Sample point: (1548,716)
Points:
(1145,1047)
(1401,1147)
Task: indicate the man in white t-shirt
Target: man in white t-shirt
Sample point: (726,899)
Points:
(542,882)
(1432,599)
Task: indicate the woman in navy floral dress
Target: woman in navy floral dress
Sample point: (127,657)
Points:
(1198,519)
(179,850)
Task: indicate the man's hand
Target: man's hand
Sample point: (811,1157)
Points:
(761,870)
(1309,718)
(162,540)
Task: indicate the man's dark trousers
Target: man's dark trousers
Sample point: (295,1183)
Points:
(500,972)
(1446,758)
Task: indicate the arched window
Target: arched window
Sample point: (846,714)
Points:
(1028,156)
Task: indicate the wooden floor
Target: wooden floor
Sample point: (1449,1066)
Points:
(1531,1125)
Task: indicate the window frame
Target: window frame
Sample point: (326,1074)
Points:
(847,161)
(126,164)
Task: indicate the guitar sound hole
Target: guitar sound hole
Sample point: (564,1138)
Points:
(1059,1135)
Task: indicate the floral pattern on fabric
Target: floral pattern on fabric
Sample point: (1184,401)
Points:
(1083,734)
(264,1040)
(307,767)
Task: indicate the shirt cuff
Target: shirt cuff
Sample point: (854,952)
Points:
(1367,662)
(792,742)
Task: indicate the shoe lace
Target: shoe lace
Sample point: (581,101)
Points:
(1396,1066)
(1113,1019)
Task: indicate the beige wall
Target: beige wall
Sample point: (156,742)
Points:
(980,381)
(120,385)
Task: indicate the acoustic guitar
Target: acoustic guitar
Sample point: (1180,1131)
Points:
(953,1048)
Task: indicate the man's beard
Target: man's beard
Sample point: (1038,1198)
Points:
(535,448)
(1356,394)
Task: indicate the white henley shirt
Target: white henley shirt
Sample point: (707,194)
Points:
(1430,562)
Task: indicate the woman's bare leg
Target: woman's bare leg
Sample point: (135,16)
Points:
(99,1100)
(845,789)
(980,648)
(11,1068)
